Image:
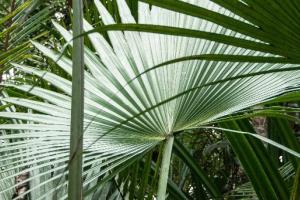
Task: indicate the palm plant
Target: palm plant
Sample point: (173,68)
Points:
(21,20)
(142,89)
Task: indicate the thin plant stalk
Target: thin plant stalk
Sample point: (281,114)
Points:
(76,143)
(164,171)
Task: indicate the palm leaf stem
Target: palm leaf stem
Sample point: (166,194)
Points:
(164,171)
(76,144)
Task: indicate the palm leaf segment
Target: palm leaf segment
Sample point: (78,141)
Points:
(127,114)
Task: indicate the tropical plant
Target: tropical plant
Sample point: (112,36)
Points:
(143,89)
(20,21)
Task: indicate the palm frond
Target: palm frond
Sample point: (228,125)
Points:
(125,118)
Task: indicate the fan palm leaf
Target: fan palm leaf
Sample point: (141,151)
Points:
(126,113)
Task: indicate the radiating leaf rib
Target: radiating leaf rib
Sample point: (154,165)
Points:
(247,44)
